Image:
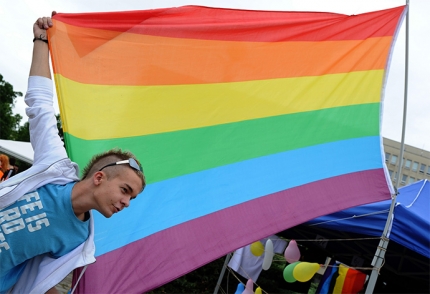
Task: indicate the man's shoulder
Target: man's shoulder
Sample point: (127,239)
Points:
(58,188)
(61,172)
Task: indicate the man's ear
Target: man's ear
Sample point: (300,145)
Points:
(98,178)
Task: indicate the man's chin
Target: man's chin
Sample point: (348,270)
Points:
(108,214)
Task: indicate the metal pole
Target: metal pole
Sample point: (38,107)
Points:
(405,102)
(378,259)
(221,275)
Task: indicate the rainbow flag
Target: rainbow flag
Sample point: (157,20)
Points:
(246,123)
(349,280)
(341,279)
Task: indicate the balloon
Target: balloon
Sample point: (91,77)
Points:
(258,291)
(292,252)
(249,289)
(240,288)
(288,272)
(257,248)
(268,255)
(304,271)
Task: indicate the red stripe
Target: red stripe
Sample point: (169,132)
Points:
(354,281)
(159,258)
(206,23)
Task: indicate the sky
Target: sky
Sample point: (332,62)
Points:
(16,48)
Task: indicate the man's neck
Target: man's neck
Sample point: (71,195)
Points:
(80,200)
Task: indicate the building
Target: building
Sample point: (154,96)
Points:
(415,165)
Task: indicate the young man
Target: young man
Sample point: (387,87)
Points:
(46,228)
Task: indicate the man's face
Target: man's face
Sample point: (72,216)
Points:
(114,195)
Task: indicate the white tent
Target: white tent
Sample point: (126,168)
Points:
(20,150)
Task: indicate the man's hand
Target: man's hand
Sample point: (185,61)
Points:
(41,25)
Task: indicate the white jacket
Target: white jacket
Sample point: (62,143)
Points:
(50,165)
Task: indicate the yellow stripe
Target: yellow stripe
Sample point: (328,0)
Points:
(340,280)
(102,112)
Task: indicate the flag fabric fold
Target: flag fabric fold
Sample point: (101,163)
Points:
(246,123)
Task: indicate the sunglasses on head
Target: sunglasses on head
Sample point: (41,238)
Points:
(131,162)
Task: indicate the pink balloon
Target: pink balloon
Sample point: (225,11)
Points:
(292,252)
(249,289)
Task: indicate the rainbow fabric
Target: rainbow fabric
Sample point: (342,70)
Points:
(349,280)
(338,279)
(246,123)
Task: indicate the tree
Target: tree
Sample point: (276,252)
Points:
(9,123)
(60,127)
(22,134)
(10,128)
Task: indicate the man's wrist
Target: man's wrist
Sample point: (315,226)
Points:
(40,38)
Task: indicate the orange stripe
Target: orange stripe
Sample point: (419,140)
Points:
(130,59)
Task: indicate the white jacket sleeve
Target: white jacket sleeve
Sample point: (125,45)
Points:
(46,142)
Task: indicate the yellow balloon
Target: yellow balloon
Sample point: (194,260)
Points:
(304,271)
(258,291)
(257,248)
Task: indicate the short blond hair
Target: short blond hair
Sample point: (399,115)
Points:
(100,160)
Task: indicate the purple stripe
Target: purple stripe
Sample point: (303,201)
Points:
(157,259)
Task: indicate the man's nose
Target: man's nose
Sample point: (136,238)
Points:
(126,201)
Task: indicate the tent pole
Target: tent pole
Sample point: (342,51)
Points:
(221,275)
(378,259)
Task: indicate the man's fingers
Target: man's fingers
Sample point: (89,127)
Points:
(40,23)
(44,22)
(49,22)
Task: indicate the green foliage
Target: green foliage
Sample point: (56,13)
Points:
(22,134)
(8,121)
(10,128)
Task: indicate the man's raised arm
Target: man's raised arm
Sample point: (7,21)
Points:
(47,145)
(40,62)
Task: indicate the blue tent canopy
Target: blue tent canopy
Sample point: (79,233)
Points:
(411,223)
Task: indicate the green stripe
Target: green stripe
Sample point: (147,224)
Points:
(173,154)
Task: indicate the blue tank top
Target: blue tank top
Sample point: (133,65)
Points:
(40,222)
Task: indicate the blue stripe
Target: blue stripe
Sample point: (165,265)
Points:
(174,201)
